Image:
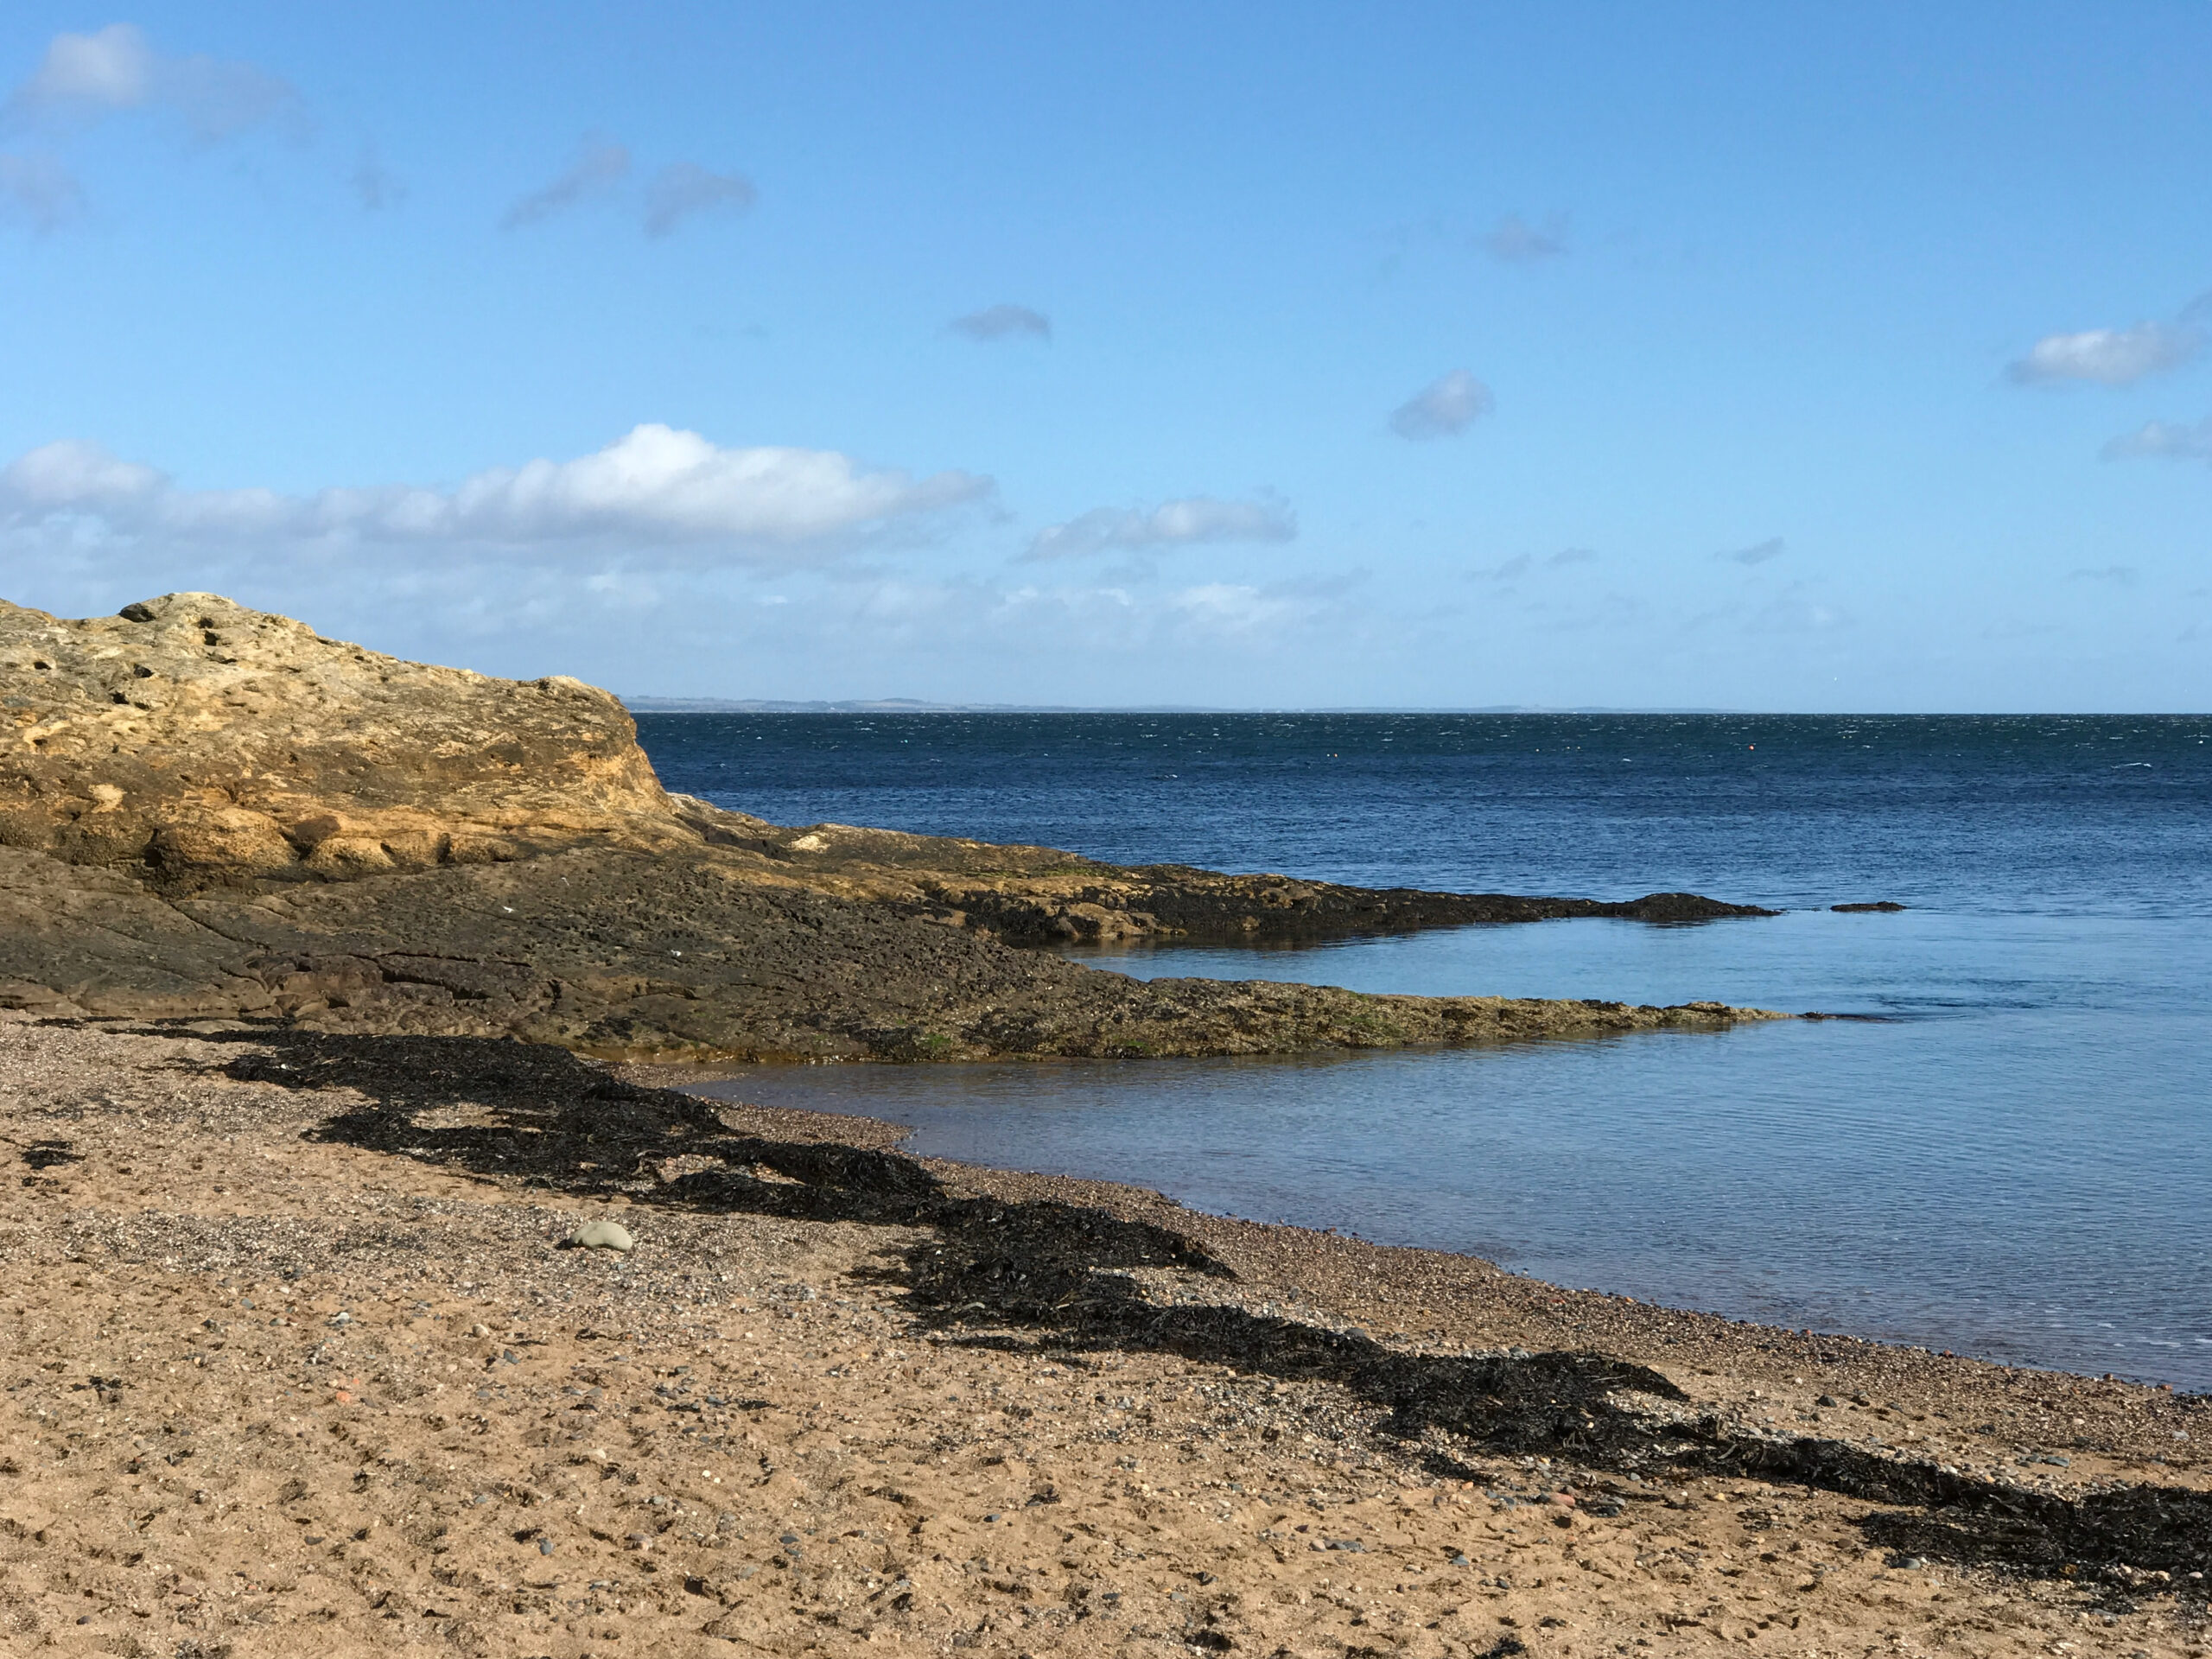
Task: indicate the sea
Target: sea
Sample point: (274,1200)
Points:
(2005,1150)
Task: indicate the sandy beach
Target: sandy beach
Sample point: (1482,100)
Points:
(294,1358)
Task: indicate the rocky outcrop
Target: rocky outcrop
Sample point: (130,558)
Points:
(192,742)
(680,956)
(208,810)
(1038,895)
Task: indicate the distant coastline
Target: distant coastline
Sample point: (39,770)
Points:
(915,706)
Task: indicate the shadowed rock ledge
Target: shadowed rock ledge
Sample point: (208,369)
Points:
(206,809)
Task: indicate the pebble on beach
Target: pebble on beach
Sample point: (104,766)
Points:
(602,1235)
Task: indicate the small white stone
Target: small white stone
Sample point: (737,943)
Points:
(602,1235)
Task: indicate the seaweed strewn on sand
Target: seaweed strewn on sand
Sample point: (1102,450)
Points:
(295,1356)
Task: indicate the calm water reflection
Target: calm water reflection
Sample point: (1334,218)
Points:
(2013,1163)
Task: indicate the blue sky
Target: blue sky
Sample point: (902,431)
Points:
(1287,355)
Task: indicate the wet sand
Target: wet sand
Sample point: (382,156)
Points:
(294,1362)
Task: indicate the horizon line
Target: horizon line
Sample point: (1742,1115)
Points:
(654,705)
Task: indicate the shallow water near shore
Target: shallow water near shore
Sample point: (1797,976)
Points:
(2008,1158)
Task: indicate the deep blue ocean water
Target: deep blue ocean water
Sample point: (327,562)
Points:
(2013,1160)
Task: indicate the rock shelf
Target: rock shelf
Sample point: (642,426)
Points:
(209,811)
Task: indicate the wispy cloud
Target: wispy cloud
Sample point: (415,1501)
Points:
(655,491)
(217,100)
(1447,405)
(87,78)
(2165,440)
(677,192)
(1065,621)
(1237,609)
(83,79)
(683,190)
(39,190)
(375,186)
(2106,356)
(1194,519)
(1514,241)
(1003,322)
(1521,564)
(2112,576)
(1588,612)
(1797,610)
(600,165)
(1757,553)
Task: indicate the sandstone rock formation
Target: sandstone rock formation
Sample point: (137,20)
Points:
(191,741)
(204,810)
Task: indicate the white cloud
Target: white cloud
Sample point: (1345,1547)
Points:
(1571,556)
(1757,553)
(1118,620)
(2165,440)
(657,488)
(854,621)
(600,164)
(68,474)
(684,189)
(1194,519)
(677,485)
(1233,608)
(2114,575)
(1444,407)
(1003,322)
(39,189)
(1516,242)
(2109,357)
(85,77)
(113,69)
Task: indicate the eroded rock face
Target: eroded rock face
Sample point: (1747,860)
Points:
(199,742)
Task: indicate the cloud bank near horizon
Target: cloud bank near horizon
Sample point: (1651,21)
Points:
(656,492)
(1192,519)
